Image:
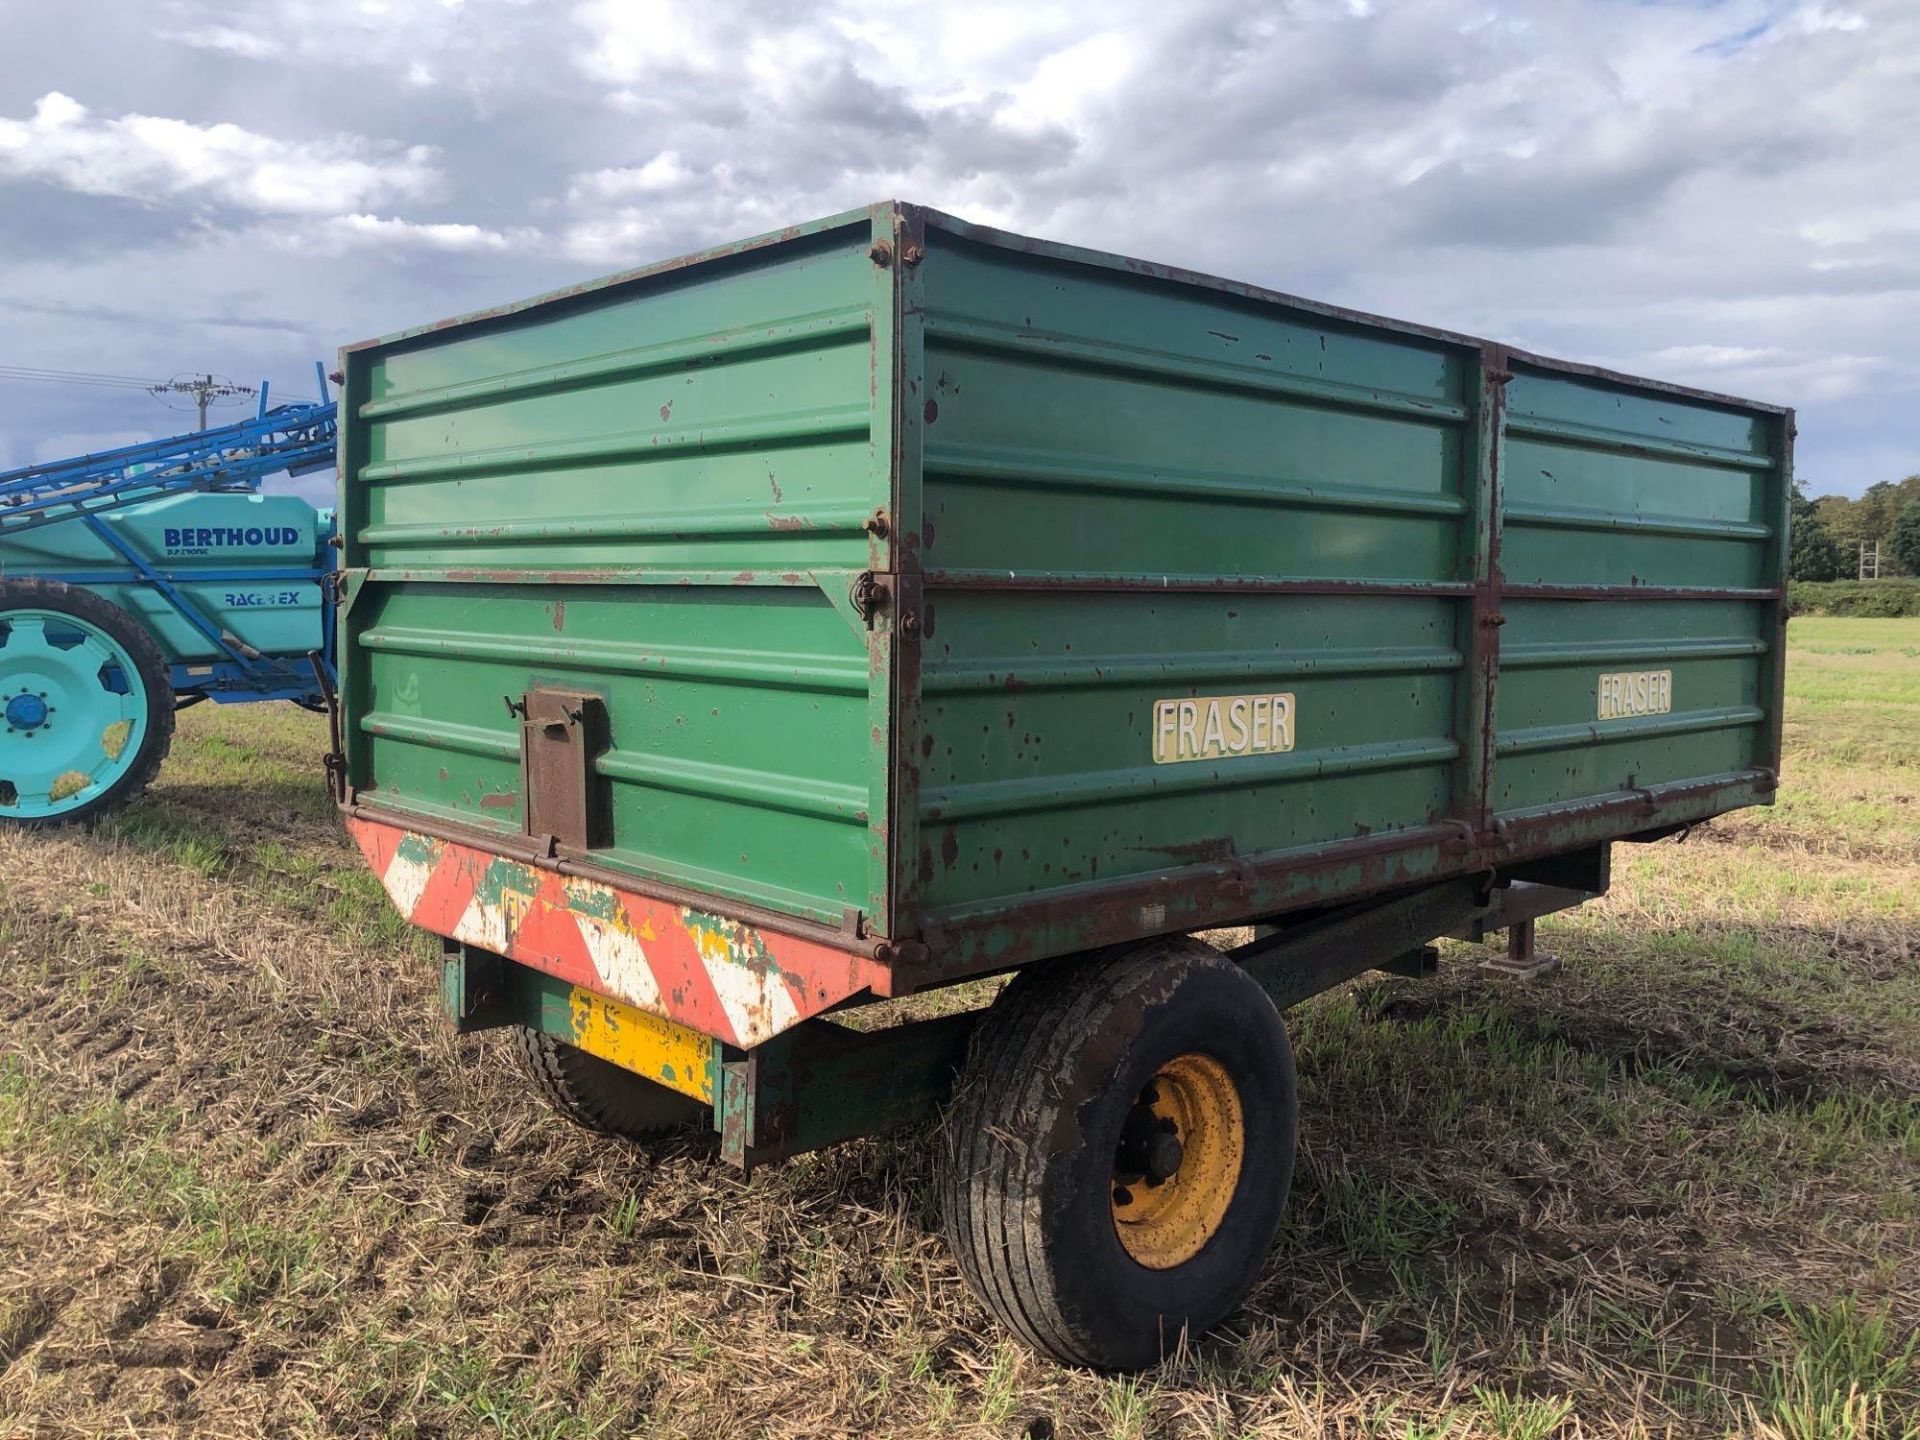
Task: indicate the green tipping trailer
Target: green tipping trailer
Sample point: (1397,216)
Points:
(891,601)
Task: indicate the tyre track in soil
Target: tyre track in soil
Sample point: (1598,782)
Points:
(284,1116)
(315,1088)
(183,1033)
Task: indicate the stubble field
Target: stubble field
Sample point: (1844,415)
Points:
(250,1184)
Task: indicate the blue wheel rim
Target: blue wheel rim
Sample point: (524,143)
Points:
(73,713)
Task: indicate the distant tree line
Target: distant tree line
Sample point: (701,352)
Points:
(1827,532)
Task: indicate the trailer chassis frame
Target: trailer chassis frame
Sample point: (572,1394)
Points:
(821,1081)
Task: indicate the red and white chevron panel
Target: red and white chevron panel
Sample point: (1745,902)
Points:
(718,976)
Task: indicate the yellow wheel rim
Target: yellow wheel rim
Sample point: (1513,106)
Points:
(1178,1162)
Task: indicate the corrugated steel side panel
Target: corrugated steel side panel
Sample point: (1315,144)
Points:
(1606,487)
(1135,492)
(655,490)
(1142,486)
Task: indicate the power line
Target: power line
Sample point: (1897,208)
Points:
(98,380)
(75,377)
(77,374)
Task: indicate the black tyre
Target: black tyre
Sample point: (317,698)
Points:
(1120,1149)
(86,705)
(601,1095)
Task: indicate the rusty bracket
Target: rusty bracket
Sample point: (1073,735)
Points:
(342,587)
(901,952)
(472,984)
(564,800)
(1521,903)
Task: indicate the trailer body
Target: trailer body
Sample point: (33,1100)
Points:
(890,600)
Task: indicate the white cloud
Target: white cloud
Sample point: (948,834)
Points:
(1851,227)
(632,38)
(226,39)
(343,231)
(663,172)
(1812,19)
(1710,357)
(1773,373)
(152,158)
(483,43)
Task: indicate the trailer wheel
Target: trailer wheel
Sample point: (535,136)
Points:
(600,1095)
(1119,1150)
(86,706)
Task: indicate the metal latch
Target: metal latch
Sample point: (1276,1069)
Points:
(336,758)
(870,593)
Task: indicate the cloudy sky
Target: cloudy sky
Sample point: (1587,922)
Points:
(1724,193)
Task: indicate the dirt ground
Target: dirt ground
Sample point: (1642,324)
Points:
(250,1184)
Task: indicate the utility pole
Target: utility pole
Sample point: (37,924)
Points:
(204,389)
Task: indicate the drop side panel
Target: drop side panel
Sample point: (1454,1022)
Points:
(1138,494)
(1641,561)
(652,491)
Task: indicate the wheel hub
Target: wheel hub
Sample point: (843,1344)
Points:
(1177,1164)
(27,711)
(1150,1148)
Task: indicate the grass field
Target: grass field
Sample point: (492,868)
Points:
(249,1184)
